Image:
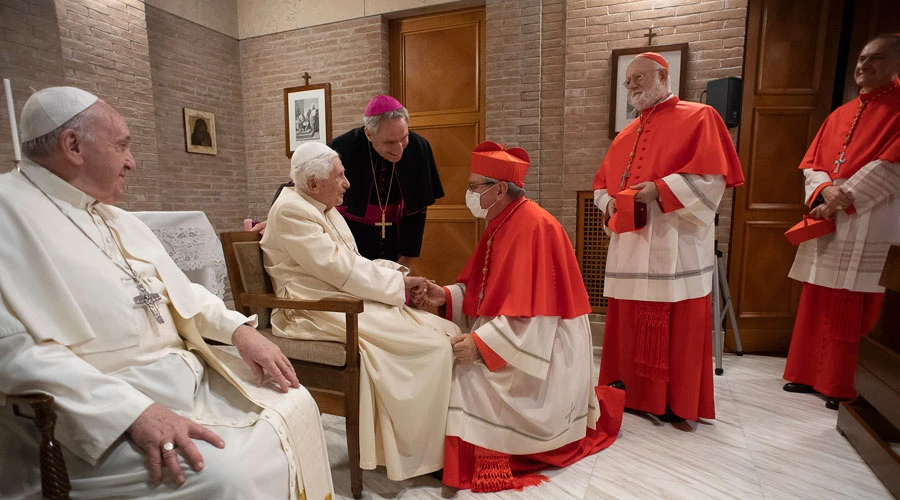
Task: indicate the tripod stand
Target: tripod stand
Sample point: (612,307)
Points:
(719,308)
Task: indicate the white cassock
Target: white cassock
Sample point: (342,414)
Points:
(671,259)
(405,354)
(853,256)
(542,399)
(69,327)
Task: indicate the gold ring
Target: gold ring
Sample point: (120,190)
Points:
(839,207)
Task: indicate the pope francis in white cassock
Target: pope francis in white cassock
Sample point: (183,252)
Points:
(405,354)
(95,313)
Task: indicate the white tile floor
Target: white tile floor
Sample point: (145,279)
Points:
(764,444)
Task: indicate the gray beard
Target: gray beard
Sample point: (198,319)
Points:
(650,97)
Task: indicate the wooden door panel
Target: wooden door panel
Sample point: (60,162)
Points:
(774,178)
(437,71)
(432,60)
(452,146)
(791,56)
(767,269)
(452,238)
(792,44)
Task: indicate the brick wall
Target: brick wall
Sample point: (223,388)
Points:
(351,55)
(571,43)
(105,51)
(30,56)
(198,68)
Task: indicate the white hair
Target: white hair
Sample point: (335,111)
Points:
(658,66)
(512,189)
(40,147)
(316,168)
(373,122)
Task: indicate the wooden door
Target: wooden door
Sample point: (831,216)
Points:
(437,72)
(789,72)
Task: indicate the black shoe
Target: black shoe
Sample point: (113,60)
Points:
(438,474)
(670,417)
(833,403)
(795,387)
(618,384)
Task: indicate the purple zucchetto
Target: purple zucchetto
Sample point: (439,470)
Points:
(382,104)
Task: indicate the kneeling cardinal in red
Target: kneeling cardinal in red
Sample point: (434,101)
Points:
(523,396)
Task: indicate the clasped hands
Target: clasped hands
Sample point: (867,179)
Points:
(157,426)
(427,293)
(835,199)
(646,192)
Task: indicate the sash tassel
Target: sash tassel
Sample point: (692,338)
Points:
(651,353)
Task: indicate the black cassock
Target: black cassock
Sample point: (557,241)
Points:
(406,189)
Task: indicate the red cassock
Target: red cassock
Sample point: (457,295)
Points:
(830,322)
(540,277)
(662,348)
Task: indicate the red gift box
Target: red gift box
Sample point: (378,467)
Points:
(630,215)
(809,228)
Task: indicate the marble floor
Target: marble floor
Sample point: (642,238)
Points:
(764,444)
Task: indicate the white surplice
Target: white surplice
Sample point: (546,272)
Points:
(670,259)
(853,256)
(69,327)
(542,399)
(405,354)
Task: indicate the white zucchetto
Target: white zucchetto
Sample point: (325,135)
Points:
(308,151)
(49,108)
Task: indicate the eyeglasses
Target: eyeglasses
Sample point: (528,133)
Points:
(475,185)
(637,78)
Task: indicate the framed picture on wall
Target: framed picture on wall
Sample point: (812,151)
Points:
(307,115)
(621,111)
(199,131)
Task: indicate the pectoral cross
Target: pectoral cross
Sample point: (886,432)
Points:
(838,162)
(383,225)
(624,178)
(148,300)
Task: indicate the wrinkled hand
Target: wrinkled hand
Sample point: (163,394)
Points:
(610,211)
(159,425)
(822,212)
(433,296)
(415,288)
(464,349)
(647,191)
(261,227)
(266,360)
(836,199)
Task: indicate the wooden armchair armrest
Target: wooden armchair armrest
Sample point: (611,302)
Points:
(353,306)
(54,476)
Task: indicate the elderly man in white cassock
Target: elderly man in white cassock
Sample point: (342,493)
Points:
(95,313)
(405,355)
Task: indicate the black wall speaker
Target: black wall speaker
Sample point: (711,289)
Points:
(724,95)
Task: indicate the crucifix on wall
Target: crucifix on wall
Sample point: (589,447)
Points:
(650,35)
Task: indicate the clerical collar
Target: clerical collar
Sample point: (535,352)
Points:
(56,187)
(665,103)
(868,96)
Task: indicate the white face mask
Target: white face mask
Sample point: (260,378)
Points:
(473,201)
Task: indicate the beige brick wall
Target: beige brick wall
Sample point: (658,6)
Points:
(105,51)
(28,61)
(350,55)
(560,52)
(198,68)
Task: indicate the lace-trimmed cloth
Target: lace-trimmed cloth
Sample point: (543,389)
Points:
(191,241)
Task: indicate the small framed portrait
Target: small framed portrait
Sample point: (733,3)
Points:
(307,115)
(621,111)
(199,131)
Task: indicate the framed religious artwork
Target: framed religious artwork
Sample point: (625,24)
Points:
(199,131)
(307,115)
(621,111)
